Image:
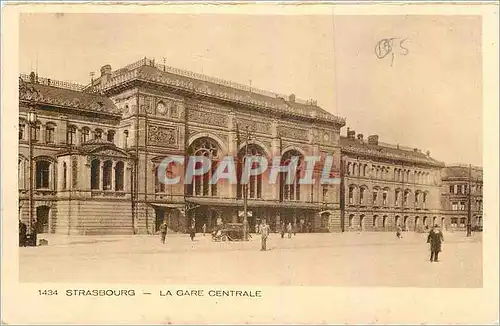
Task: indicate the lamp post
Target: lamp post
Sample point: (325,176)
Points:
(31,122)
(245,190)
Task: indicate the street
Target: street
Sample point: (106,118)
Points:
(336,259)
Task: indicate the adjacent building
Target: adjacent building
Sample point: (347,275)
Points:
(385,186)
(462,188)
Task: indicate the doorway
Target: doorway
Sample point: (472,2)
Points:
(42,219)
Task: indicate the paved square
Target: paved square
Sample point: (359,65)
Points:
(347,259)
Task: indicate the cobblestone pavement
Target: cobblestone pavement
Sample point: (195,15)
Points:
(347,259)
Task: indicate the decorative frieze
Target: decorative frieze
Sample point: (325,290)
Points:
(165,136)
(208,118)
(294,133)
(254,126)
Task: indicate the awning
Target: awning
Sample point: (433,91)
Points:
(162,205)
(254,203)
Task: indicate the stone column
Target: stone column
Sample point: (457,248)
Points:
(113,175)
(101,174)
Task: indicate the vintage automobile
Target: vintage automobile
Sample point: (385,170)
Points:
(229,232)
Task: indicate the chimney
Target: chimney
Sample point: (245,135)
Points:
(360,137)
(351,134)
(291,98)
(105,73)
(32,77)
(373,139)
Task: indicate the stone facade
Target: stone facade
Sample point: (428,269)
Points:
(97,150)
(101,155)
(459,184)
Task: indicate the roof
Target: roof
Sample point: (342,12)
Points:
(149,71)
(99,147)
(64,97)
(461,173)
(356,146)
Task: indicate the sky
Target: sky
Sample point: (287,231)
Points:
(422,88)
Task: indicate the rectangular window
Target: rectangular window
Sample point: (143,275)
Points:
(462,206)
(454,206)
(454,221)
(451,189)
(21,131)
(384,198)
(49,135)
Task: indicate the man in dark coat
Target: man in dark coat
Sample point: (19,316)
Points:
(192,231)
(22,234)
(163,231)
(435,238)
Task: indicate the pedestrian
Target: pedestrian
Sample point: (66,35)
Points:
(163,231)
(399,232)
(264,233)
(283,228)
(256,227)
(192,232)
(294,228)
(204,228)
(435,238)
(22,234)
(289,230)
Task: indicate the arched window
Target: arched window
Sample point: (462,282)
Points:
(95,174)
(50,132)
(362,222)
(119,171)
(291,191)
(406,196)
(351,194)
(125,139)
(201,184)
(384,221)
(385,195)
(349,168)
(107,174)
(351,218)
(254,182)
(397,197)
(375,196)
(98,134)
(64,176)
(375,221)
(42,174)
(111,136)
(362,191)
(85,134)
(365,167)
(71,135)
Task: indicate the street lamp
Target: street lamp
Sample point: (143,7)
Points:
(245,190)
(32,118)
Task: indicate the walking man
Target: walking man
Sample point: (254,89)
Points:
(264,233)
(289,230)
(163,231)
(192,231)
(204,228)
(399,232)
(282,230)
(435,238)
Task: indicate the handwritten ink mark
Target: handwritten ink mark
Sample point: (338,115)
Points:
(385,47)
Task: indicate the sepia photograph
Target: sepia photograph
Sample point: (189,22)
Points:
(243,151)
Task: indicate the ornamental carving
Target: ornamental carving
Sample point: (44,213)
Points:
(166,136)
(295,133)
(254,126)
(208,118)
